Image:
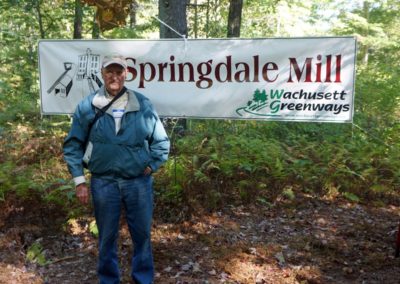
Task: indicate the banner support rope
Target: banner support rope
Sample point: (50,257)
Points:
(184,37)
(371,135)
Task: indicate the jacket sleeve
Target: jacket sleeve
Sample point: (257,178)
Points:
(74,147)
(159,143)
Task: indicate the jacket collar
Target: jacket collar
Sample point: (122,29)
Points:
(100,100)
(133,102)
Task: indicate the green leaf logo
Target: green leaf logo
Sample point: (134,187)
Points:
(259,105)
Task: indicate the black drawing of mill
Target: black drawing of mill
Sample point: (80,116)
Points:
(88,69)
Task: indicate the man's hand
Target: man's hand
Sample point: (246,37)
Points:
(82,193)
(147,171)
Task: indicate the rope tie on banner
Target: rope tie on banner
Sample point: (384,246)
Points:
(171,28)
(175,31)
(140,7)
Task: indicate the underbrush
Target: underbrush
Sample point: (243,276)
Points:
(32,164)
(218,163)
(234,162)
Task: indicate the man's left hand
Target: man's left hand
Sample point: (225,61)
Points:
(147,171)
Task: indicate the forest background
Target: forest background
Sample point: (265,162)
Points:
(284,173)
(214,162)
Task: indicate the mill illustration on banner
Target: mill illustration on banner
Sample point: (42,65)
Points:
(88,68)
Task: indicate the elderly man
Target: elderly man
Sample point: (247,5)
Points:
(122,148)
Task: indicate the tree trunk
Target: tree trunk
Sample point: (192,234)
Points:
(235,18)
(40,20)
(132,14)
(173,13)
(78,19)
(96,28)
(365,49)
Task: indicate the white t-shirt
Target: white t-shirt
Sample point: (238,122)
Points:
(118,107)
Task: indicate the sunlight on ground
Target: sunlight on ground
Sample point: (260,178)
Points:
(256,268)
(19,275)
(79,226)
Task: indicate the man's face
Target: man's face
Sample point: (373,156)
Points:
(114,78)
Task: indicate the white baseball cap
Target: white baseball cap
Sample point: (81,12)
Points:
(114,59)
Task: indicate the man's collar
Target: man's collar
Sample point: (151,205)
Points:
(107,95)
(102,98)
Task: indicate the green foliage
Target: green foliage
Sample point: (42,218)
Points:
(208,21)
(35,254)
(218,162)
(60,193)
(261,161)
(93,229)
(288,193)
(32,164)
(351,196)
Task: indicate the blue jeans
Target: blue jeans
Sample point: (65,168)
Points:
(136,195)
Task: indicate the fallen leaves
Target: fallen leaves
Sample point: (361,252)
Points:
(311,242)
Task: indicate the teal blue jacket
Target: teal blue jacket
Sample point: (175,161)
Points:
(140,142)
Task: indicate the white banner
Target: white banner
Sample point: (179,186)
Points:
(292,79)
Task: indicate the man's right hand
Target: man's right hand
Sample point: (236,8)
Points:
(82,193)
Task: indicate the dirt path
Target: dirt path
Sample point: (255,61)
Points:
(303,241)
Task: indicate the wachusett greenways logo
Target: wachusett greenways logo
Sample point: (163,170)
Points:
(274,102)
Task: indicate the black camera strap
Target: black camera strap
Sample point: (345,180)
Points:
(100,112)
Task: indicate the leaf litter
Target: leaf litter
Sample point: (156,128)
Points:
(306,240)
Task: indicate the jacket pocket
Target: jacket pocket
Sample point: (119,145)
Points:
(132,161)
(142,157)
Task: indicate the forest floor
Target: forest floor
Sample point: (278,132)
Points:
(306,240)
